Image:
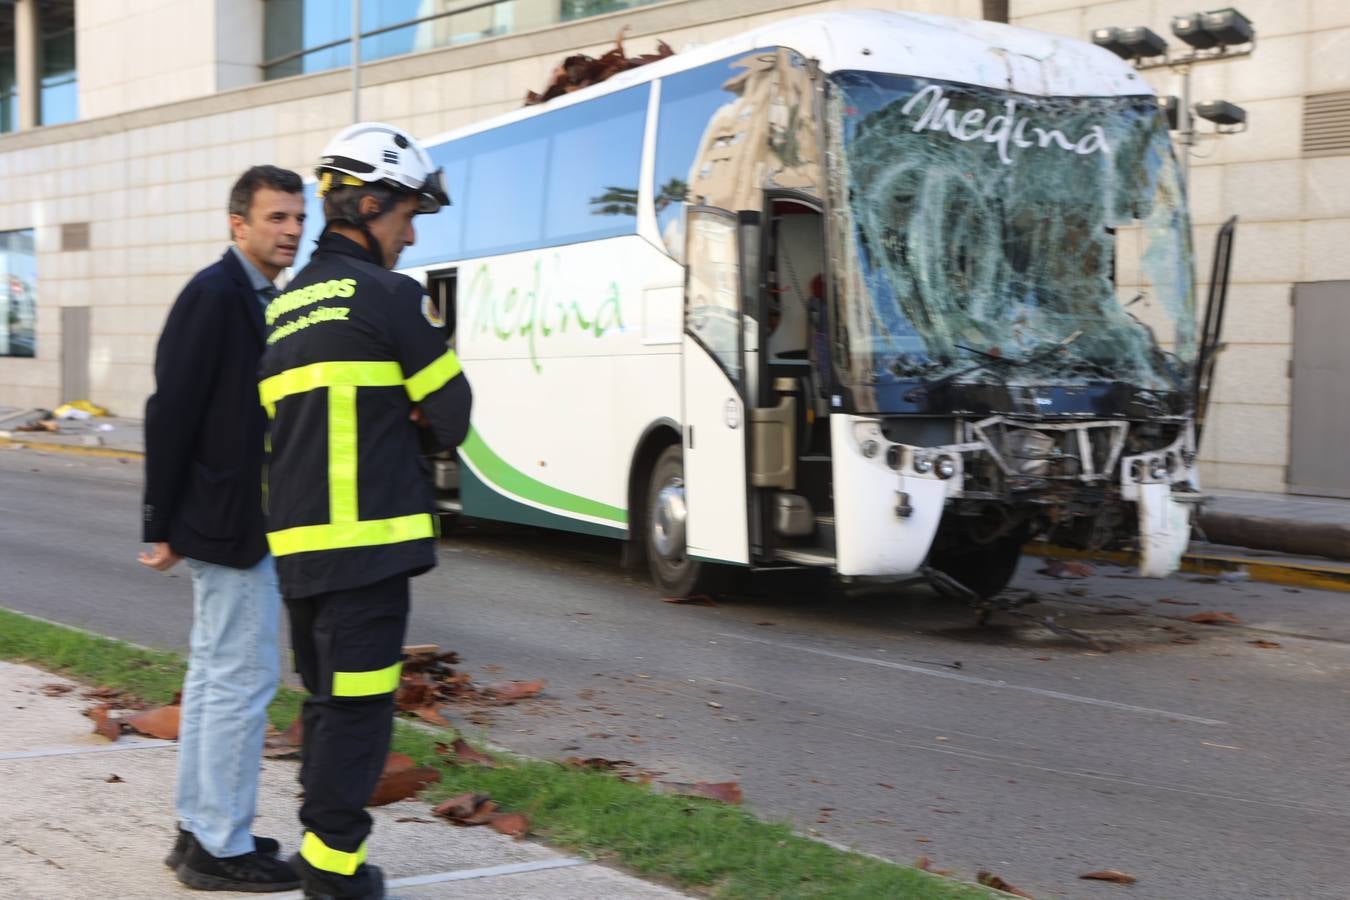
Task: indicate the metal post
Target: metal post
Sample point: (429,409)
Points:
(356,61)
(1187,125)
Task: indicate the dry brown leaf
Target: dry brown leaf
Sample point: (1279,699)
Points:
(989,879)
(285,744)
(692,600)
(460,806)
(103,692)
(414,690)
(1178,602)
(1185,639)
(397,762)
(114,779)
(922,863)
(482,815)
(432,715)
(1110,875)
(56,690)
(596,763)
(513,690)
(461,753)
(402,784)
(1261,642)
(724,791)
(104,724)
(1214,618)
(1059,568)
(160,723)
(512,824)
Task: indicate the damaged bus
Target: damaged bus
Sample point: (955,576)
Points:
(879,292)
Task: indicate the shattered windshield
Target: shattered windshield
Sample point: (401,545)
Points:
(1003,238)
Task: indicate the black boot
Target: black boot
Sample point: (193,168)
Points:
(366,883)
(265,845)
(248,872)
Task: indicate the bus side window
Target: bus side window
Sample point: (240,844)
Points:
(441,286)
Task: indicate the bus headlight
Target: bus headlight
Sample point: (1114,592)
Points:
(923,465)
(946,467)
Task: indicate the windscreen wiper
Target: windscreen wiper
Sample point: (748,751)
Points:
(929,386)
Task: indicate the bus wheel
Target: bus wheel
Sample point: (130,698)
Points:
(985,569)
(664,524)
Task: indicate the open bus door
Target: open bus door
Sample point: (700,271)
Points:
(713,376)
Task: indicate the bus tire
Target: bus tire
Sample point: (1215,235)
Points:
(673,572)
(986,569)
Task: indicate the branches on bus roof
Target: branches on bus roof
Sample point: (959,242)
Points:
(579,71)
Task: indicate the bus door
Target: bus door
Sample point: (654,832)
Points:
(714,375)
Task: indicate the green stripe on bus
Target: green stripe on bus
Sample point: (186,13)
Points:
(502,475)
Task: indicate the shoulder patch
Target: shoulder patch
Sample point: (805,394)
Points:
(431,313)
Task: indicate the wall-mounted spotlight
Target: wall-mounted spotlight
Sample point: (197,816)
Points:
(1110,39)
(1130,43)
(1228,27)
(1222,113)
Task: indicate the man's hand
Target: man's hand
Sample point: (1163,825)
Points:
(161,557)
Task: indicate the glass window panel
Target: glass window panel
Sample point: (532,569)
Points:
(505,203)
(593,167)
(713,306)
(18,294)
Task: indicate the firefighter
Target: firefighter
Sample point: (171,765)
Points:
(359,383)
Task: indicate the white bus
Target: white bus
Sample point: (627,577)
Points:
(871,291)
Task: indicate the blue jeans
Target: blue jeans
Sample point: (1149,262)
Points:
(232,674)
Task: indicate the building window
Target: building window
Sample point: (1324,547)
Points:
(302,36)
(59,84)
(18,293)
(9,92)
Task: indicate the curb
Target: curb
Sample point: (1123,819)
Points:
(73,449)
(1314,574)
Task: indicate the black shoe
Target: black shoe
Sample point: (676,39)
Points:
(248,872)
(366,883)
(265,845)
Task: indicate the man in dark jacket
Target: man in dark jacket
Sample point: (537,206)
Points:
(359,381)
(204,441)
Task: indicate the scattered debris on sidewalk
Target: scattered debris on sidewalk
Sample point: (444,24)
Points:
(1110,875)
(722,791)
(1214,618)
(401,780)
(459,753)
(579,70)
(429,680)
(157,722)
(480,809)
(989,879)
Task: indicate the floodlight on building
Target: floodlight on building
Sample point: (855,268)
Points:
(1188,28)
(1109,38)
(1142,43)
(1221,113)
(1168,105)
(1228,27)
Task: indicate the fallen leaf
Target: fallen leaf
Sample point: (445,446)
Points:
(104,724)
(56,690)
(397,762)
(513,690)
(402,784)
(724,791)
(1261,642)
(1185,639)
(692,600)
(160,723)
(114,779)
(460,806)
(512,824)
(1179,602)
(1214,618)
(461,753)
(596,763)
(103,692)
(889,787)
(1110,875)
(989,879)
(430,714)
(923,862)
(1058,568)
(285,744)
(1043,658)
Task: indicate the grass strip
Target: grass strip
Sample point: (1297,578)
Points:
(722,851)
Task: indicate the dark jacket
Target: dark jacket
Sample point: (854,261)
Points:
(352,349)
(204,426)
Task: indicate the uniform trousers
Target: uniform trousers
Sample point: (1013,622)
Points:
(348,646)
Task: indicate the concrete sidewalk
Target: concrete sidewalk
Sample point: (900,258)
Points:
(1276,523)
(73,830)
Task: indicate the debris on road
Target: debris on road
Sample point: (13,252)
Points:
(429,680)
(1061,568)
(989,879)
(1214,618)
(723,791)
(1263,643)
(1110,875)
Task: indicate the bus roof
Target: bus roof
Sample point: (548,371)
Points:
(967,51)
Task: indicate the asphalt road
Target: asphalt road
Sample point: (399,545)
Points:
(1201,763)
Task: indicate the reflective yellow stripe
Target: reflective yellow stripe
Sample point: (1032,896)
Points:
(367,684)
(342,453)
(338,535)
(434,376)
(327,374)
(326,859)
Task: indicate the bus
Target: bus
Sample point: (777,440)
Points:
(877,292)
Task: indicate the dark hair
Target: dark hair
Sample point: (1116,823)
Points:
(343,204)
(241,195)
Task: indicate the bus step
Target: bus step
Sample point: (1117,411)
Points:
(805,556)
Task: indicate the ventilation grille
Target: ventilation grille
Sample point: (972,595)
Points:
(1326,124)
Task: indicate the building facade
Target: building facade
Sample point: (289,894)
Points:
(116,170)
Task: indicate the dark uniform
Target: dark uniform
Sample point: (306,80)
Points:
(352,349)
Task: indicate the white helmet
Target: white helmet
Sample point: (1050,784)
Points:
(375,153)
